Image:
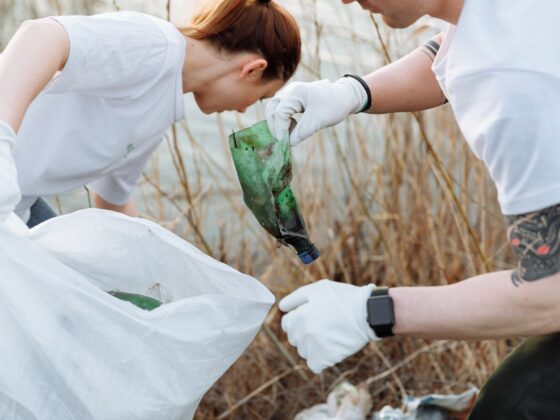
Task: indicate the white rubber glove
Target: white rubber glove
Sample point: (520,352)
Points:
(327,321)
(9,187)
(323,104)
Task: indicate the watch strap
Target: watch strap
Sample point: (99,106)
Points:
(380,291)
(382,328)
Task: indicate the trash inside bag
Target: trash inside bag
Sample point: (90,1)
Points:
(145,302)
(70,350)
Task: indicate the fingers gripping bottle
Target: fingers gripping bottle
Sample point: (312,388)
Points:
(264,168)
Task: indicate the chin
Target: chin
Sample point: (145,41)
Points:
(396,24)
(205,108)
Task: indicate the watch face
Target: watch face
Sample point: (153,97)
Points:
(380,311)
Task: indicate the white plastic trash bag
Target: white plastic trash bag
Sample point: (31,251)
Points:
(69,350)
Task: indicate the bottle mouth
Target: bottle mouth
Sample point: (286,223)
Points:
(309,255)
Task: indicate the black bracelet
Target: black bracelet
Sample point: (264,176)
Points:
(367,106)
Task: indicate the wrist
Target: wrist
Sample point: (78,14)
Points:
(363,316)
(380,312)
(362,92)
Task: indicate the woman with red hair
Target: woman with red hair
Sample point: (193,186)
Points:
(85,100)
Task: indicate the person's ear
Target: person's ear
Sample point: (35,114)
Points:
(253,70)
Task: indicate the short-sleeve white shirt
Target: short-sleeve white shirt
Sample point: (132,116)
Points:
(500,70)
(102,116)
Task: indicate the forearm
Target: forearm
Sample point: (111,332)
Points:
(408,84)
(129,208)
(482,307)
(36,52)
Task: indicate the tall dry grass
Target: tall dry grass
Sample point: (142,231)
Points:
(396,200)
(426,214)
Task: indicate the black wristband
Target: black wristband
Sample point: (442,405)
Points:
(381,316)
(367,106)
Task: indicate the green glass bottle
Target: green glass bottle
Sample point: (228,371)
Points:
(144,302)
(264,168)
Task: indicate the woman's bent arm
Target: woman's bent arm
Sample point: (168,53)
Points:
(37,51)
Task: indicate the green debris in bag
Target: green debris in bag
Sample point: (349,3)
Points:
(264,168)
(144,302)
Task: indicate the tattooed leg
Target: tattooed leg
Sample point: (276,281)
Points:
(535,238)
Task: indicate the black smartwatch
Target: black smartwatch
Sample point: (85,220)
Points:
(381,316)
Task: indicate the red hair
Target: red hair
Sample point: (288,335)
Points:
(258,26)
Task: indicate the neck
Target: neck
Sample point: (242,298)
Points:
(202,65)
(448,10)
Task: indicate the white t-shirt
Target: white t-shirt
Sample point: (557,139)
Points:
(499,67)
(99,119)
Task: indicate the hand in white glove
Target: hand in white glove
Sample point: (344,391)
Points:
(9,187)
(327,321)
(323,104)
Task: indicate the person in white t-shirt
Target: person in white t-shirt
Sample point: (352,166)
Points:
(499,70)
(91,97)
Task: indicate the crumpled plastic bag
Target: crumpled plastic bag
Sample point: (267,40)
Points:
(70,350)
(345,402)
(348,402)
(431,407)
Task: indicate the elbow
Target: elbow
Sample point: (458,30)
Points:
(537,319)
(541,299)
(549,321)
(551,309)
